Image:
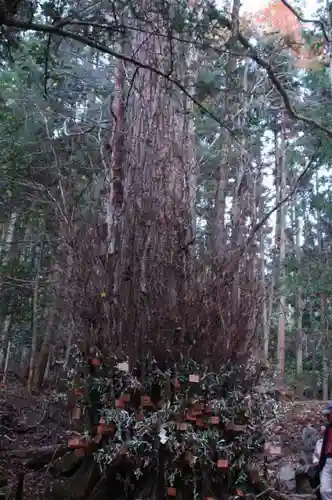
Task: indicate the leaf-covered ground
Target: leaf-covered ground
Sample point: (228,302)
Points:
(286,431)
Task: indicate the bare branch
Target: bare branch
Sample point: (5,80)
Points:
(253,54)
(284,200)
(55,30)
(303,20)
(226,23)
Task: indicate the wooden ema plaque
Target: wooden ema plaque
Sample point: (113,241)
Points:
(273,449)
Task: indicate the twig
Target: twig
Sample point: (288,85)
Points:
(55,30)
(261,223)
(303,20)
(224,22)
(263,492)
(22,430)
(53,456)
(9,438)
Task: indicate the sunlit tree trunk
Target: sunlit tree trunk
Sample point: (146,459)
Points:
(264,289)
(10,259)
(281,165)
(9,235)
(324,324)
(329,32)
(218,228)
(299,299)
(275,275)
(313,345)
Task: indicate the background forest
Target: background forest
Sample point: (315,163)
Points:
(165,184)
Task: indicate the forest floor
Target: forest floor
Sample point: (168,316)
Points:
(28,421)
(286,430)
(31,421)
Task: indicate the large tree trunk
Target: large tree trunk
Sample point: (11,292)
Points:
(241,199)
(116,179)
(151,269)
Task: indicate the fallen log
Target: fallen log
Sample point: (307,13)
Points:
(66,465)
(25,452)
(80,485)
(302,496)
(37,458)
(278,495)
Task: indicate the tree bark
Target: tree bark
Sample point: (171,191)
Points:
(43,355)
(281,163)
(324,330)
(35,318)
(323,304)
(10,230)
(11,255)
(299,300)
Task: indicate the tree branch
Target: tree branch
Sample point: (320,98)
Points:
(55,30)
(226,23)
(240,251)
(303,20)
(261,223)
(253,54)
